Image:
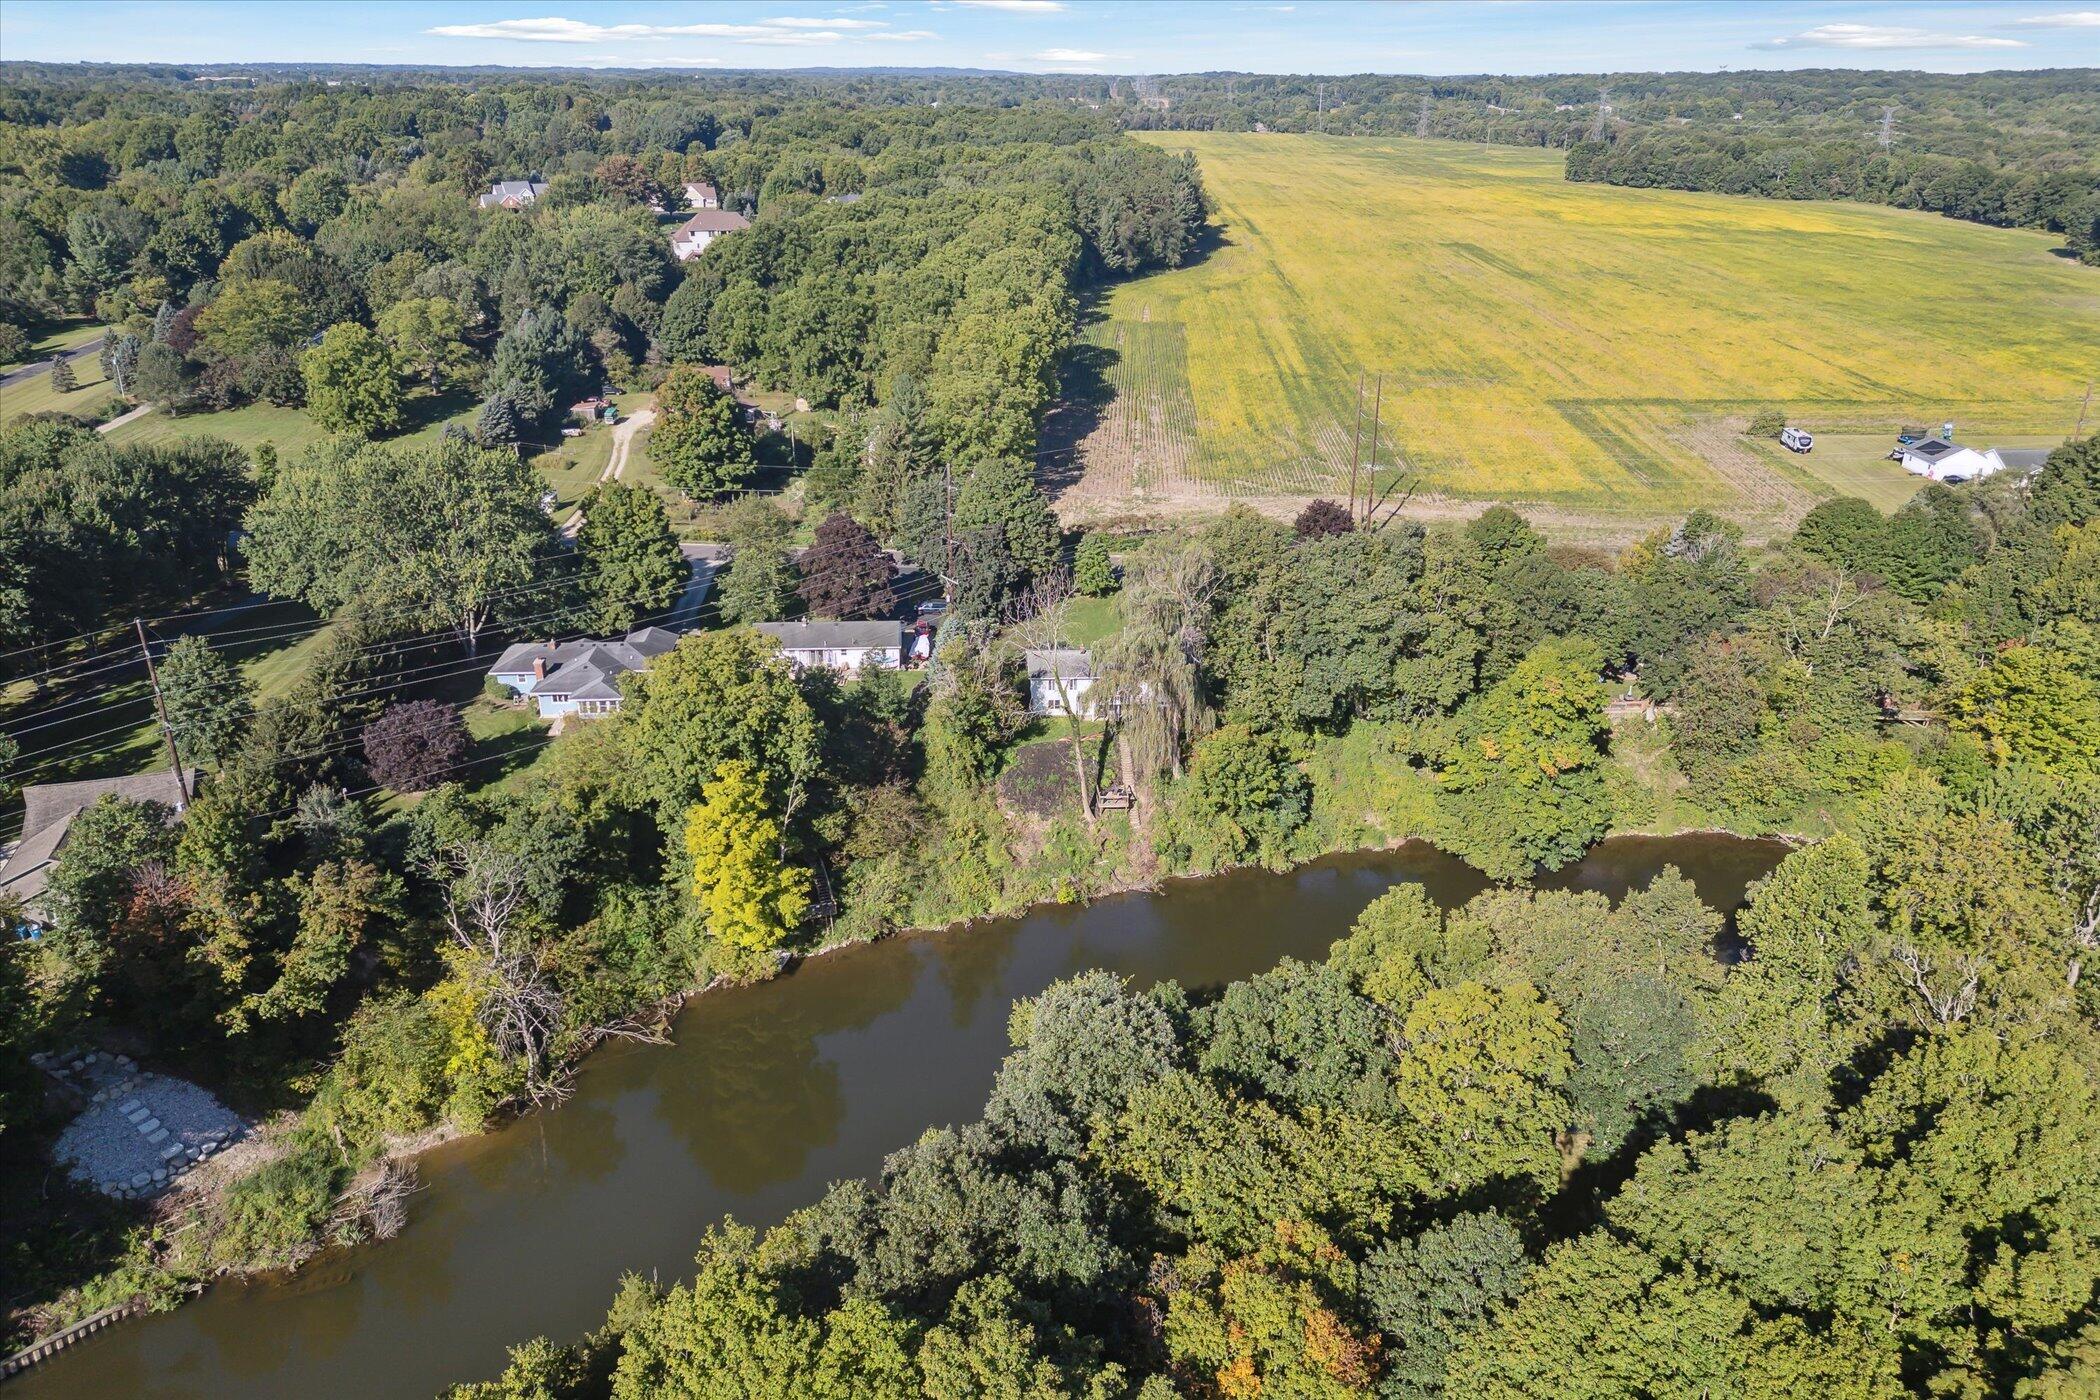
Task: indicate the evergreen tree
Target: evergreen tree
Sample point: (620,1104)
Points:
(207,698)
(63,380)
(1093,573)
(499,422)
(632,567)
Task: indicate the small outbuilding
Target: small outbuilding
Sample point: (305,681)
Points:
(701,195)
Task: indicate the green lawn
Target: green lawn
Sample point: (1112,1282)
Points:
(35,394)
(1090,621)
(288,428)
(1856,464)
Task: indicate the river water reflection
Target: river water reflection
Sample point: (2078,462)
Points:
(769,1094)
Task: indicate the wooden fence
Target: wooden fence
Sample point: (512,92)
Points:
(58,1341)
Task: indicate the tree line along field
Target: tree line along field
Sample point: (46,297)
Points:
(1590,352)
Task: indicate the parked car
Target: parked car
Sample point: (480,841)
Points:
(1796,439)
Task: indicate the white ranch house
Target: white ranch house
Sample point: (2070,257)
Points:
(580,677)
(851,647)
(1940,460)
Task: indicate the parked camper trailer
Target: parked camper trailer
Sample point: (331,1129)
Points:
(1797,439)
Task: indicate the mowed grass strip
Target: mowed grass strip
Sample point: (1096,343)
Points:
(1539,339)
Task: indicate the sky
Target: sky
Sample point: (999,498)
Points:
(1070,36)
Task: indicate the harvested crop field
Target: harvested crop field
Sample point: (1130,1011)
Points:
(1585,351)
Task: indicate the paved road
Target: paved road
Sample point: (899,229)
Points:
(623,438)
(44,366)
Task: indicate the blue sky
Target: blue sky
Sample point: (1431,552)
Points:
(1156,36)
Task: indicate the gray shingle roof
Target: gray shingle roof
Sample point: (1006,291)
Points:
(48,810)
(512,189)
(585,669)
(1060,663)
(834,636)
(2022,459)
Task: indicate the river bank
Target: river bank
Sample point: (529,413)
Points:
(766,1093)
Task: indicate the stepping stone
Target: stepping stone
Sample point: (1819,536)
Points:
(157,1136)
(171,1151)
(138,1116)
(147,1124)
(130,1106)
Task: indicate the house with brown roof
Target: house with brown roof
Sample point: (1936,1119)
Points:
(693,236)
(48,810)
(701,195)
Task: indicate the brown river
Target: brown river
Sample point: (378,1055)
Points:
(770,1093)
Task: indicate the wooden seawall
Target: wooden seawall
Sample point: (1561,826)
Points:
(58,1341)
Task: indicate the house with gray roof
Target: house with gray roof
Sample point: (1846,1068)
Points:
(839,646)
(48,810)
(1059,677)
(580,677)
(512,194)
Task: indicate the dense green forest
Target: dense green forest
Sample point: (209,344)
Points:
(1540,1147)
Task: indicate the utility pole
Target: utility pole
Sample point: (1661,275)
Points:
(1356,433)
(160,707)
(2079,431)
(1377,402)
(948,524)
(1323,106)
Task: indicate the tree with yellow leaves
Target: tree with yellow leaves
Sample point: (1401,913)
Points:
(749,897)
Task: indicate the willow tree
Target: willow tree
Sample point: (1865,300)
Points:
(1149,669)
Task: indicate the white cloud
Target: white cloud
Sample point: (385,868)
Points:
(2069,19)
(789,31)
(823,23)
(902,36)
(1885,36)
(1016,7)
(1067,56)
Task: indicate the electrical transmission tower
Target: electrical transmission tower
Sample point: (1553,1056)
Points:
(1422,122)
(1603,111)
(1888,127)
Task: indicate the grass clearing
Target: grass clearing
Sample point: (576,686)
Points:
(289,429)
(35,394)
(1585,351)
(67,335)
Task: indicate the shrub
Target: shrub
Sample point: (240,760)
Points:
(1323,518)
(414,745)
(271,1217)
(1766,422)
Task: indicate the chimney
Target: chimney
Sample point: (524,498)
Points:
(539,668)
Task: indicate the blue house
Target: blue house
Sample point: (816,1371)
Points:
(580,677)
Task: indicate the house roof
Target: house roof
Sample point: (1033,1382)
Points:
(699,187)
(573,668)
(48,810)
(713,221)
(513,189)
(1931,449)
(2022,459)
(1059,663)
(834,636)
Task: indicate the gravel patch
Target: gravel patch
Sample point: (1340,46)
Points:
(140,1141)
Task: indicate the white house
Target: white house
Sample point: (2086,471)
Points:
(1057,676)
(1946,461)
(839,646)
(693,236)
(512,194)
(580,677)
(701,195)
